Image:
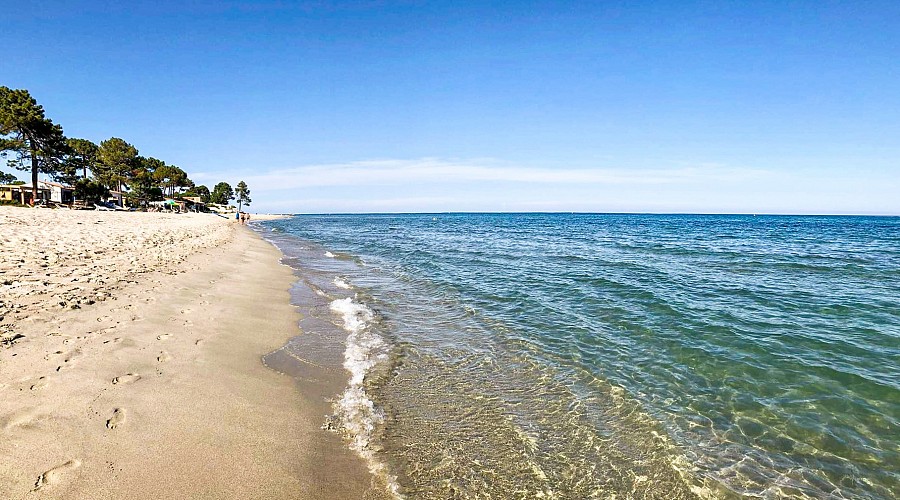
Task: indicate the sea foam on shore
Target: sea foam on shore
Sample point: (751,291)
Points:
(357,412)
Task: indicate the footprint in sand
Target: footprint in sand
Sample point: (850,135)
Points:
(57,353)
(104,331)
(68,359)
(128,378)
(56,474)
(198,341)
(20,418)
(163,357)
(39,384)
(184,322)
(117,419)
(69,362)
(164,336)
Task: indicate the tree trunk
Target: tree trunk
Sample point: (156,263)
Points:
(34,177)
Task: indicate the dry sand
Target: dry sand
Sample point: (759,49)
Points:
(130,364)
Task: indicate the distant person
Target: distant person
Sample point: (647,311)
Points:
(243,218)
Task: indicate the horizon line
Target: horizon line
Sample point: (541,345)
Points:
(567,212)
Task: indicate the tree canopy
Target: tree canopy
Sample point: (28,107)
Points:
(7,178)
(36,142)
(117,159)
(222,194)
(170,177)
(82,157)
(31,141)
(242,193)
(143,182)
(89,190)
(203,192)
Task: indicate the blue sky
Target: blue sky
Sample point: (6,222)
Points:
(759,107)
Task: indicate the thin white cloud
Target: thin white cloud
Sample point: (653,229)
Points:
(375,204)
(438,185)
(438,171)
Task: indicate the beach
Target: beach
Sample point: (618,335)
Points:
(154,355)
(131,364)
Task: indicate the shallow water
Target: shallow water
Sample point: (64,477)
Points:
(636,356)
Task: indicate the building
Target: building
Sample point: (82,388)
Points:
(116,197)
(60,193)
(21,193)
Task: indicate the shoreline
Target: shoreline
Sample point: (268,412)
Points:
(160,390)
(329,361)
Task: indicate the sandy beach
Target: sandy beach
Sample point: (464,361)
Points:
(131,364)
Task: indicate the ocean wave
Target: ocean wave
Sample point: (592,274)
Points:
(329,254)
(341,283)
(357,413)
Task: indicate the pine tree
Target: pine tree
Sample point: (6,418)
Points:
(222,194)
(37,143)
(243,194)
(117,160)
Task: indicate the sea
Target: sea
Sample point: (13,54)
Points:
(608,355)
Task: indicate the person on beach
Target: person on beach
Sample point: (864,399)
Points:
(243,218)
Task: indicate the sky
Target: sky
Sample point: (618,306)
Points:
(414,106)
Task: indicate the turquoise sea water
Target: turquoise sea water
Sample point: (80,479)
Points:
(626,356)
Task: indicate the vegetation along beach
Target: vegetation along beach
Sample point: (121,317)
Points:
(339,250)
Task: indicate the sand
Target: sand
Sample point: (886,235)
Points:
(131,349)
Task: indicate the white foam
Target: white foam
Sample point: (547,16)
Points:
(356,316)
(341,283)
(358,414)
(329,254)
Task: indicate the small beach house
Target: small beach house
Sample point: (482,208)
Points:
(116,197)
(59,193)
(193,203)
(21,193)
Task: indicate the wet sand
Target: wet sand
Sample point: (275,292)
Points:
(153,385)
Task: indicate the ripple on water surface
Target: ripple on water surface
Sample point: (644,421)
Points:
(580,356)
